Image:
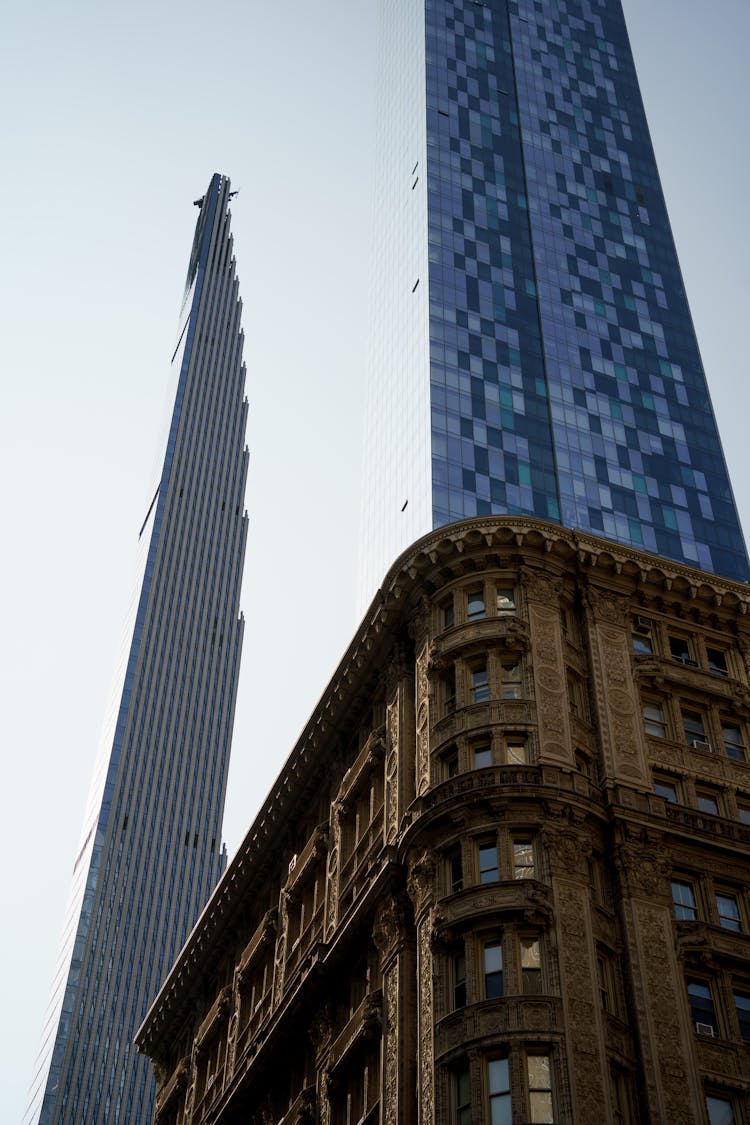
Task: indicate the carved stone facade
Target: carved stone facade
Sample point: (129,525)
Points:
(505,869)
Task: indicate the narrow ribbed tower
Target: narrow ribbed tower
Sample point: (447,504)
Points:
(151,850)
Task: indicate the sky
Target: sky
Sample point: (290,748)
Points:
(114,118)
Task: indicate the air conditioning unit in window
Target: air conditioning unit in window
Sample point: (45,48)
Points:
(700,744)
(705,1029)
(642,626)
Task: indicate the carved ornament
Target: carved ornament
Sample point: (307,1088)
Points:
(607,606)
(420,882)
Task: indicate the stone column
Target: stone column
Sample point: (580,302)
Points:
(333,867)
(567,848)
(321,1036)
(400,738)
(423,721)
(542,595)
(614,694)
(422,892)
(660,1020)
(394,940)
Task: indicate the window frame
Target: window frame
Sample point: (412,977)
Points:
(717,668)
(455,870)
(479,689)
(458,978)
(737,753)
(476,597)
(743,1022)
(502,1095)
(655,725)
(514,742)
(483,747)
(665,782)
(721,1102)
(702,1008)
(488,846)
(511,678)
(681,905)
(687,656)
(503,604)
(540,1112)
(642,636)
(493,978)
(694,727)
(729,895)
(462,1095)
(705,796)
(529,972)
(522,869)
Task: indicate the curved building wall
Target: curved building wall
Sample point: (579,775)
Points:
(503,874)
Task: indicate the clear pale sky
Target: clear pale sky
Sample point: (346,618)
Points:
(114,118)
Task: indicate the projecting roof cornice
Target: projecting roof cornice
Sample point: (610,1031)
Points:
(442,556)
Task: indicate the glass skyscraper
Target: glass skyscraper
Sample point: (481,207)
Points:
(151,849)
(532,346)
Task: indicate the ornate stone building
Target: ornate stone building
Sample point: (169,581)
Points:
(504,874)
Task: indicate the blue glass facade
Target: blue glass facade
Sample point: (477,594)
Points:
(565,379)
(151,844)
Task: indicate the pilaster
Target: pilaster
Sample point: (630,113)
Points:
(668,1086)
(614,697)
(393,937)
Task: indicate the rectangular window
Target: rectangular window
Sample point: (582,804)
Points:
(475,604)
(506,600)
(463,1097)
(531,966)
(516,752)
(459,980)
(707,801)
(455,871)
(510,679)
(720,1111)
(482,755)
(605,988)
(574,696)
(734,745)
(493,970)
(701,1002)
(665,788)
(654,721)
(742,1007)
(680,651)
(717,661)
(523,859)
(694,729)
(540,1087)
(449,691)
(642,640)
(450,764)
(728,910)
(489,871)
(743,812)
(447,611)
(619,1098)
(498,1081)
(683,898)
(480,684)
